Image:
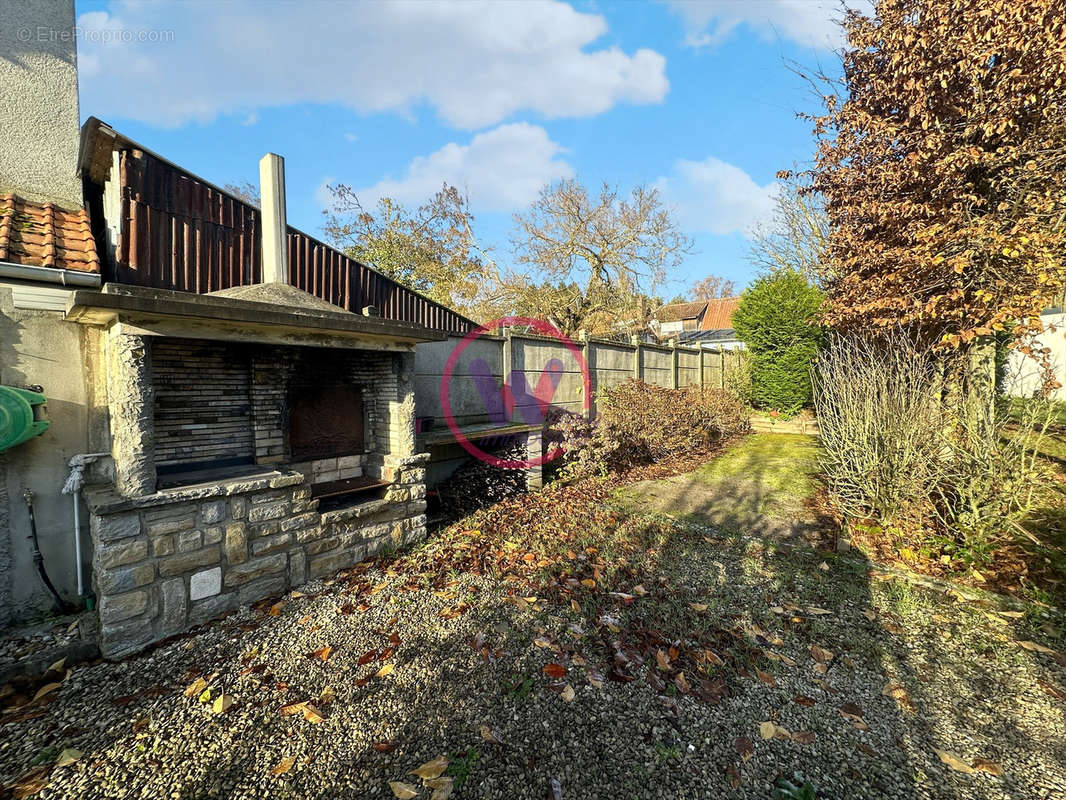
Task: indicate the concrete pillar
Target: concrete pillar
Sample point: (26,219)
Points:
(507,362)
(586,354)
(637,363)
(701,366)
(275,240)
(673,364)
(534,452)
(131,406)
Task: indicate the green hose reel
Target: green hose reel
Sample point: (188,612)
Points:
(19,416)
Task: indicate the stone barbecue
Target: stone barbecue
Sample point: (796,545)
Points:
(260,437)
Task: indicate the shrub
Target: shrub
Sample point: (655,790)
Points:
(902,447)
(775,319)
(640,423)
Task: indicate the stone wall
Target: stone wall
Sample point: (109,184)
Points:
(177,558)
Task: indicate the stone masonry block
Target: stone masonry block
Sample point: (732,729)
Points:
(255,569)
(187,562)
(113,527)
(175,606)
(212,535)
(267,511)
(270,544)
(189,540)
(207,583)
(211,513)
(297,568)
(236,543)
(123,552)
(119,607)
(300,521)
(239,507)
(117,581)
(163,545)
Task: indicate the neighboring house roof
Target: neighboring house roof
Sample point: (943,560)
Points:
(171,229)
(43,235)
(719,314)
(675,312)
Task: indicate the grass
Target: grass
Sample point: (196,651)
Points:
(764,482)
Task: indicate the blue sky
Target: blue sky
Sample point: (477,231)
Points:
(392,98)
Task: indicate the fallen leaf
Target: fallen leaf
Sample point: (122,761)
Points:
(897,692)
(48,688)
(766,677)
(568,693)
(491,735)
(1051,690)
(68,756)
(853,714)
(767,730)
(385,747)
(991,767)
(58,666)
(222,704)
(681,682)
(821,655)
(663,660)
(322,652)
(554,670)
(868,750)
(824,567)
(404,791)
(275,609)
(954,761)
(442,788)
(814,611)
(385,670)
(870,614)
(640,591)
(432,769)
(804,700)
(744,747)
(283,766)
(30,783)
(712,657)
(804,737)
(327,696)
(699,607)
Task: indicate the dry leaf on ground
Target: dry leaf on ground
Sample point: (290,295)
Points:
(403,791)
(432,769)
(954,761)
(283,766)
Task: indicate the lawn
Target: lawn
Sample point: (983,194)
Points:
(765,482)
(576,644)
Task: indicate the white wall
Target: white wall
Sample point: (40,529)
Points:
(1023,378)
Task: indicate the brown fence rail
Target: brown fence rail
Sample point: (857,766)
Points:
(178,232)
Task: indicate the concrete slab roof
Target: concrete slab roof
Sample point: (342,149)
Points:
(268,312)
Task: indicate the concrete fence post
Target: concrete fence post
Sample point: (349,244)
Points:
(674,380)
(701,360)
(721,371)
(587,350)
(275,231)
(637,363)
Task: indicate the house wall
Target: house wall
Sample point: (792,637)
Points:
(1023,374)
(40,348)
(39,91)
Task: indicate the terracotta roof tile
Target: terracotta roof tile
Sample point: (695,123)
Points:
(42,235)
(719,314)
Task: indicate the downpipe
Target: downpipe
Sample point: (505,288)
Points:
(75,481)
(38,560)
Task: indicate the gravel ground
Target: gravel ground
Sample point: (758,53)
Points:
(965,688)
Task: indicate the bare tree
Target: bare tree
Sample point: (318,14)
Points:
(246,191)
(796,236)
(607,250)
(711,288)
(433,248)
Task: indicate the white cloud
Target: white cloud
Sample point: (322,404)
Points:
(351,137)
(712,196)
(810,23)
(500,170)
(475,63)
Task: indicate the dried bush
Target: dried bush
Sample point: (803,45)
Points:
(640,423)
(903,446)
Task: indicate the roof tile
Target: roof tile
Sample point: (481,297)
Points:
(42,235)
(719,314)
